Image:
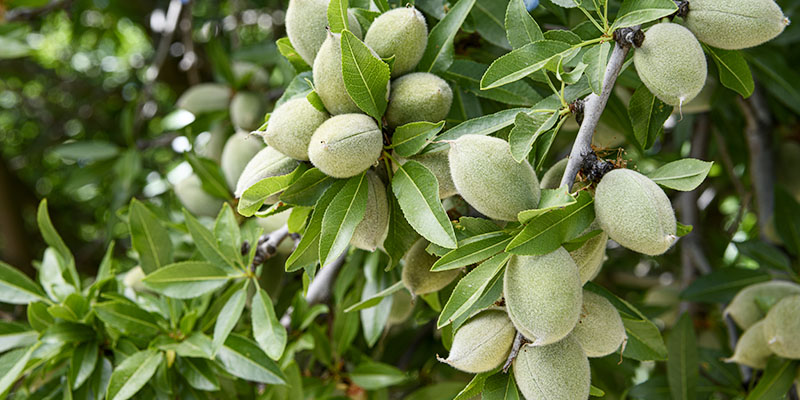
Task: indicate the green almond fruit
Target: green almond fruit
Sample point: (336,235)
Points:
(552,178)
(591,254)
(417,275)
(635,212)
(265,164)
(735,24)
(210,144)
(543,295)
(247,111)
(401,33)
(328,78)
(482,343)
(291,126)
(238,150)
(402,307)
(490,180)
(420,96)
(306,26)
(782,328)
(437,162)
(372,230)
(204,98)
(191,194)
(600,330)
(749,305)
(346,145)
(556,371)
(752,349)
(671,63)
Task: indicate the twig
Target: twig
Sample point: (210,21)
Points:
(519,340)
(594,104)
(320,288)
(268,245)
(189,61)
(27,14)
(759,140)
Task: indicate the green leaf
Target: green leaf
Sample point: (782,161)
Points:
(228,317)
(596,59)
(220,62)
(307,251)
(440,390)
(733,70)
(410,138)
(683,230)
(227,233)
(267,330)
(127,318)
(82,363)
(787,220)
(187,279)
(551,199)
(12,48)
(764,254)
(647,114)
(375,298)
(12,364)
(522,62)
(210,174)
(53,239)
(637,12)
(546,232)
(685,175)
(197,345)
(417,192)
(38,316)
(521,28)
(132,374)
(253,197)
(401,236)
(722,284)
(287,50)
(439,53)
(468,75)
(373,319)
(17,288)
(526,130)
(337,15)
(366,77)
(373,375)
(198,373)
(682,364)
(475,386)
(68,332)
(470,288)
(473,250)
(300,85)
(93,150)
(207,244)
(316,101)
(776,381)
(501,387)
(243,358)
(307,189)
(14,335)
(341,218)
(488,19)
(149,238)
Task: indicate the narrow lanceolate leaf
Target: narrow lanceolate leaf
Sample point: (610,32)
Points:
(243,358)
(550,200)
(684,175)
(409,139)
(366,77)
(82,363)
(528,128)
(187,279)
(207,244)
(721,285)
(470,288)
(637,12)
(440,52)
(468,75)
(132,374)
(484,125)
(254,197)
(417,192)
(53,239)
(683,365)
(521,29)
(473,250)
(401,235)
(12,364)
(647,114)
(373,375)
(373,319)
(287,51)
(14,335)
(596,59)
(228,317)
(307,189)
(227,234)
(210,174)
(149,238)
(375,299)
(17,288)
(733,70)
(787,222)
(198,373)
(337,15)
(307,251)
(341,218)
(501,387)
(127,318)
(546,232)
(474,387)
(267,330)
(522,62)
(487,17)
(776,381)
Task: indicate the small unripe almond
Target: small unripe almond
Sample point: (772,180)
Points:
(543,295)
(417,275)
(735,24)
(745,310)
(439,164)
(552,178)
(752,349)
(671,63)
(328,78)
(247,111)
(781,328)
(489,179)
(420,96)
(401,33)
(556,371)
(191,194)
(306,23)
(205,97)
(346,145)
(600,330)
(371,231)
(265,164)
(482,343)
(402,307)
(238,150)
(291,126)
(210,145)
(635,212)
(591,254)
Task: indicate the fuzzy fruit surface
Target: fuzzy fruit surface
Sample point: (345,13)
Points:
(401,33)
(591,255)
(306,23)
(671,63)
(635,212)
(191,194)
(556,371)
(752,349)
(439,163)
(238,151)
(371,231)
(482,343)
(346,145)
(420,96)
(489,179)
(600,330)
(543,295)
(247,111)
(205,97)
(265,164)
(328,79)
(417,275)
(781,328)
(291,126)
(402,307)
(745,310)
(552,178)
(735,24)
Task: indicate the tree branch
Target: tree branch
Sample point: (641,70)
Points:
(268,245)
(320,288)
(519,340)
(594,104)
(759,139)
